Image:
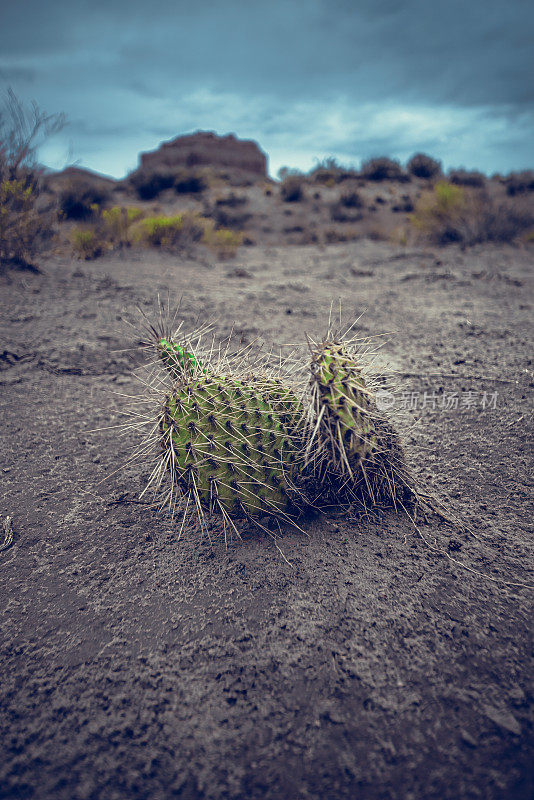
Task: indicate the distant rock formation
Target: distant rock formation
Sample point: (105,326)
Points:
(58,180)
(207,149)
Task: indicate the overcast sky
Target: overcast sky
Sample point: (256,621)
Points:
(306,79)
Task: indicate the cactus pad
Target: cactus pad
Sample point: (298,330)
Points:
(352,448)
(234,444)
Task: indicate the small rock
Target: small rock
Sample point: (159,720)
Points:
(467,739)
(503,718)
(517,696)
(238,272)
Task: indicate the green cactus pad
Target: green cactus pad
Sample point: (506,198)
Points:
(234,444)
(353,451)
(345,403)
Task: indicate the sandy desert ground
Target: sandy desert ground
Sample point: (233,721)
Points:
(134,665)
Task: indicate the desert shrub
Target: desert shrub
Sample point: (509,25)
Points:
(223,241)
(80,199)
(232,200)
(330,171)
(423,166)
(117,222)
(463,177)
(334,235)
(24,228)
(292,190)
(519,182)
(87,242)
(404,206)
(149,185)
(438,214)
(180,231)
(453,214)
(351,200)
(503,223)
(383,169)
(111,230)
(189,183)
(229,218)
(339,213)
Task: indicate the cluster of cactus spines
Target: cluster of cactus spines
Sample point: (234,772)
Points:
(344,404)
(248,444)
(352,448)
(176,358)
(232,448)
(231,441)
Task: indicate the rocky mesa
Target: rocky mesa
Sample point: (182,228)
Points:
(205,148)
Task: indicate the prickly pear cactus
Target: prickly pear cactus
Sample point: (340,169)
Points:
(345,405)
(234,445)
(354,452)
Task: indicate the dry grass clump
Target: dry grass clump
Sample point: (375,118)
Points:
(335,235)
(383,169)
(223,242)
(422,166)
(183,231)
(87,243)
(452,214)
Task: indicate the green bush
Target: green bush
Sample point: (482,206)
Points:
(111,230)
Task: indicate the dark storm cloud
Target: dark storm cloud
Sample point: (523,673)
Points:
(165,67)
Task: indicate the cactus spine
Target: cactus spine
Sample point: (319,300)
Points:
(352,449)
(231,444)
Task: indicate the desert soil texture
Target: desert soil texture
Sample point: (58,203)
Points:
(363,662)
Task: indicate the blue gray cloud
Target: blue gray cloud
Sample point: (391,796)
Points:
(305,78)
